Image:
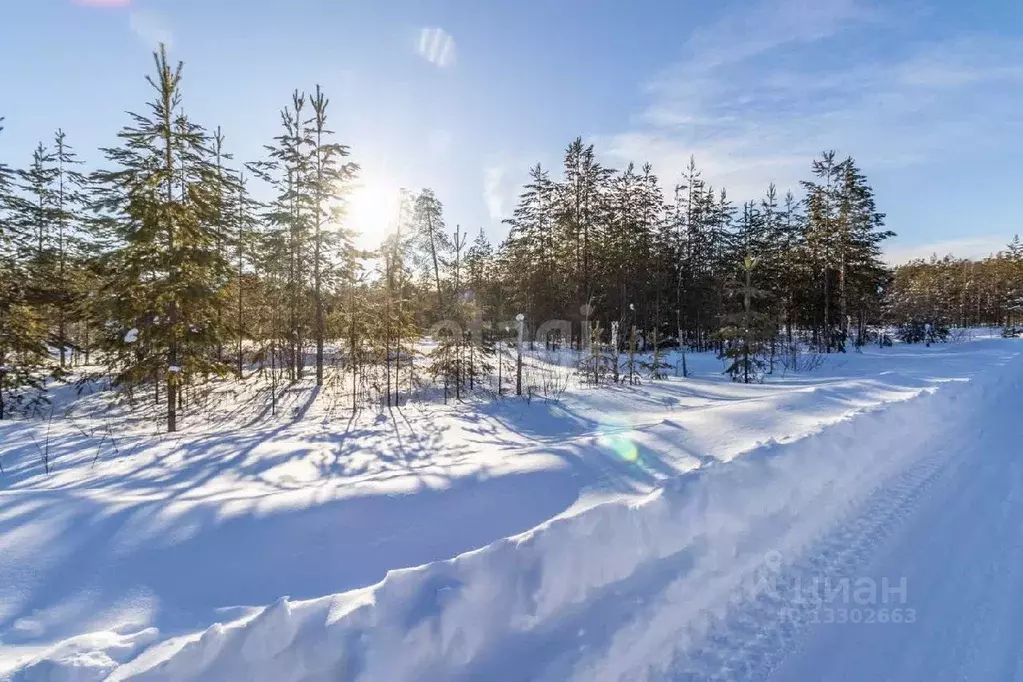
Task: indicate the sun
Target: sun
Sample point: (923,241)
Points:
(372,209)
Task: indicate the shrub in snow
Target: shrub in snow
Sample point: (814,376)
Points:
(921,332)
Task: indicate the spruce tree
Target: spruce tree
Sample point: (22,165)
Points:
(223,194)
(746,330)
(530,254)
(70,284)
(246,277)
(329,180)
(431,240)
(824,237)
(23,351)
(580,208)
(167,274)
(479,265)
(53,193)
(289,172)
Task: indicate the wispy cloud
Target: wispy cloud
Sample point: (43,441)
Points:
(767,25)
(436,46)
(496,192)
(970,247)
(962,62)
(102,3)
(758,94)
(503,176)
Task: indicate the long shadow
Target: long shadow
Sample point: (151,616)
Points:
(302,410)
(538,421)
(188,565)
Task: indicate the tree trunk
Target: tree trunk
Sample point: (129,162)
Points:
(317,277)
(843,310)
(172,350)
(436,264)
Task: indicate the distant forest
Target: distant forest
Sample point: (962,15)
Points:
(161,270)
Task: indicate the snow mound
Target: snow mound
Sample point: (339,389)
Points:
(559,601)
(88,658)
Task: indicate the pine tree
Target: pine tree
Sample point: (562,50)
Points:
(824,236)
(246,276)
(479,265)
(400,328)
(860,238)
(23,351)
(289,172)
(580,200)
(655,366)
(530,254)
(223,193)
(164,292)
(444,357)
(270,258)
(53,195)
(431,240)
(329,181)
(71,279)
(744,336)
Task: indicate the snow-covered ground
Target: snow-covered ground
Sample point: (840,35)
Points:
(615,535)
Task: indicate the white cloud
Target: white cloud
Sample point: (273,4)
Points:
(496,192)
(436,46)
(152,27)
(969,247)
(769,24)
(962,62)
(753,103)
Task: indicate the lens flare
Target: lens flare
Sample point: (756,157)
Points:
(436,46)
(622,446)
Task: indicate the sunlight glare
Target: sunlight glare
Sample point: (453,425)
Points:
(372,210)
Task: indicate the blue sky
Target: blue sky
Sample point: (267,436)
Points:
(464,95)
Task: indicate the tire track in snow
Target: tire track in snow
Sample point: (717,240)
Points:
(753,641)
(729,634)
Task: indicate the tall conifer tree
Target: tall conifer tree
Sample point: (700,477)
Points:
(167,272)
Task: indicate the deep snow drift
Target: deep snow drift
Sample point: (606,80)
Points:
(633,566)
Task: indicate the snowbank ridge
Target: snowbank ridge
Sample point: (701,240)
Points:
(476,616)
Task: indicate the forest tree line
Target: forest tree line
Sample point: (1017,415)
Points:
(173,263)
(952,292)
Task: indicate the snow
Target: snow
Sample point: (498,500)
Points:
(131,336)
(606,537)
(87,658)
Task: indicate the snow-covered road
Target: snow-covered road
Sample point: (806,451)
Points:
(953,537)
(923,580)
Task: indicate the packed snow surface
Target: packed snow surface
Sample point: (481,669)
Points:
(665,531)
